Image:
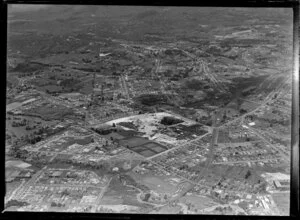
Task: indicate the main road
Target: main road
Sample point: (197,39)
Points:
(213,143)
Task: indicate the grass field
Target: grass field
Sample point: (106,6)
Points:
(31,121)
(59,166)
(282,201)
(64,142)
(155,147)
(114,135)
(17,163)
(128,133)
(167,210)
(134,141)
(49,112)
(143,146)
(13,105)
(118,193)
(198,202)
(159,185)
(147,153)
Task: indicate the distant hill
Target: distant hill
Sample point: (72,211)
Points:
(43,29)
(52,18)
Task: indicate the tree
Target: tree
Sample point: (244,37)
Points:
(248,174)
(242,111)
(14,202)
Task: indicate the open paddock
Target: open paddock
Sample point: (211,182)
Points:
(64,142)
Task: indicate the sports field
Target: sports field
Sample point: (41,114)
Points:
(143,146)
